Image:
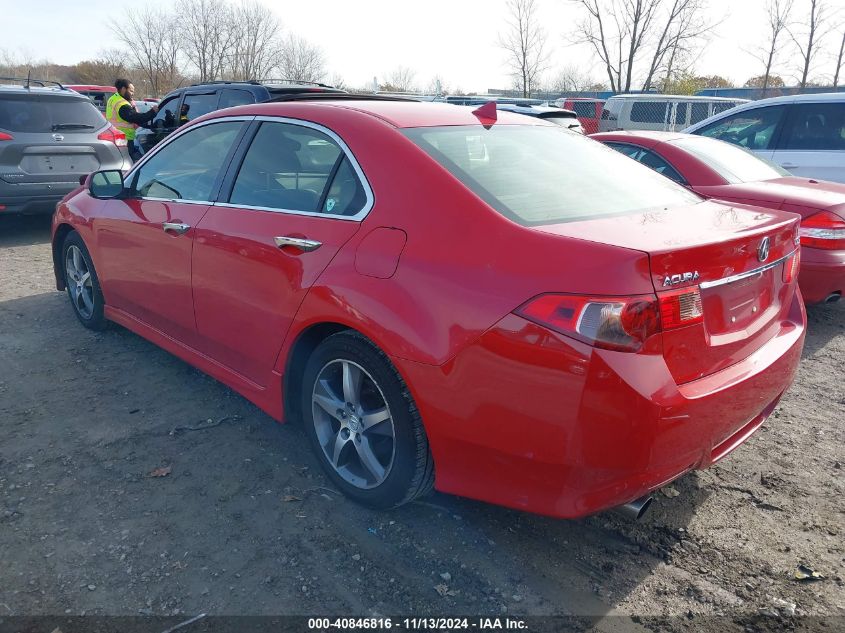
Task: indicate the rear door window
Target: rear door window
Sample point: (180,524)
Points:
(229,98)
(700,111)
(167,113)
(649,159)
(290,167)
(815,126)
(53,113)
(194,106)
(752,129)
(584,110)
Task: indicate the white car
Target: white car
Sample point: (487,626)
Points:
(804,134)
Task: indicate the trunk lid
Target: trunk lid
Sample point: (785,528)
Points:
(718,250)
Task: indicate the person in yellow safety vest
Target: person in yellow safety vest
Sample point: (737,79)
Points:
(121,113)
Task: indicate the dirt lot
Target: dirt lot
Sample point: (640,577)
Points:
(244,523)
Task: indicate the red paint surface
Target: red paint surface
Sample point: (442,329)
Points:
(516,413)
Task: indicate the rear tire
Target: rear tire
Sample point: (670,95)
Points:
(82,283)
(363,424)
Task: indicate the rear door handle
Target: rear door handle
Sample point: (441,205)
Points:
(175,227)
(788,165)
(301,243)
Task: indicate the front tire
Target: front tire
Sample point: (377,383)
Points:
(82,283)
(363,424)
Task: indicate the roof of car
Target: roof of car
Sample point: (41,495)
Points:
(39,90)
(398,113)
(658,137)
(812,97)
(90,87)
(656,96)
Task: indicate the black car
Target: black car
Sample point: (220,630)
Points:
(49,137)
(186,104)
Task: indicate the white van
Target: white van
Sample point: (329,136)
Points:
(804,134)
(669,113)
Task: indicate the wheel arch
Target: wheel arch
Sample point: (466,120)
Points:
(59,237)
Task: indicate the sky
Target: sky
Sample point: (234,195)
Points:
(455,39)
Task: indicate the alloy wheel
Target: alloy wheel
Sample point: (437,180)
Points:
(353,423)
(79,282)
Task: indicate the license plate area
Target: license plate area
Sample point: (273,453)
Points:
(52,164)
(739,305)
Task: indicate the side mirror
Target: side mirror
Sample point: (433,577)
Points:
(106,184)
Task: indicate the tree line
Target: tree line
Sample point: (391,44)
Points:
(654,45)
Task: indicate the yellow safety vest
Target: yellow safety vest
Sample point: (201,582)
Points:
(113,106)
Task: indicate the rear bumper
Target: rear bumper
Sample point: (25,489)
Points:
(532,420)
(822,274)
(39,200)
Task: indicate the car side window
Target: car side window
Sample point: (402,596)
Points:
(815,126)
(230,97)
(649,159)
(194,106)
(648,111)
(166,115)
(187,167)
(752,129)
(289,167)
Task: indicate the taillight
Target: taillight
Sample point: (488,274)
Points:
(113,135)
(617,323)
(6,137)
(823,230)
(790,267)
(679,308)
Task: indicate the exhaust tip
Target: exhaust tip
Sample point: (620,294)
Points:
(833,298)
(636,509)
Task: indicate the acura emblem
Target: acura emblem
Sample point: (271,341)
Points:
(763,250)
(58,137)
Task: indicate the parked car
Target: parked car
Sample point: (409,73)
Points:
(603,332)
(553,114)
(652,111)
(804,134)
(99,95)
(715,169)
(49,136)
(191,102)
(588,111)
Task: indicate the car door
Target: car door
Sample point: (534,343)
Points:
(813,141)
(145,240)
(289,203)
(756,129)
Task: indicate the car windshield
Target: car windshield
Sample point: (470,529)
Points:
(39,113)
(733,163)
(545,174)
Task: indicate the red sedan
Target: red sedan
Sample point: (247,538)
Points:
(500,309)
(715,169)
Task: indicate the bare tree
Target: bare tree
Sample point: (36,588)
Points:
(437,86)
(254,49)
(206,30)
(681,29)
(400,79)
(152,43)
(807,42)
(525,43)
(839,62)
(300,60)
(571,79)
(337,81)
(777,21)
(103,70)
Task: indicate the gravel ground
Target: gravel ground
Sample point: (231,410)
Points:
(243,522)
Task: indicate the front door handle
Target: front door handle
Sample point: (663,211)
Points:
(175,227)
(301,243)
(788,165)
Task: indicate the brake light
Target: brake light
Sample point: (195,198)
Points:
(6,137)
(823,230)
(617,323)
(679,308)
(790,267)
(113,135)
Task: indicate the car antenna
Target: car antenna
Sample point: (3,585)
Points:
(486,114)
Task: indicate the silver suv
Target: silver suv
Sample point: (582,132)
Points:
(49,137)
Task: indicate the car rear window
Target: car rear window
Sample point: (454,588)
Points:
(584,109)
(732,162)
(545,174)
(42,113)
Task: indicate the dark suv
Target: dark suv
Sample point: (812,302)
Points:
(49,137)
(186,104)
